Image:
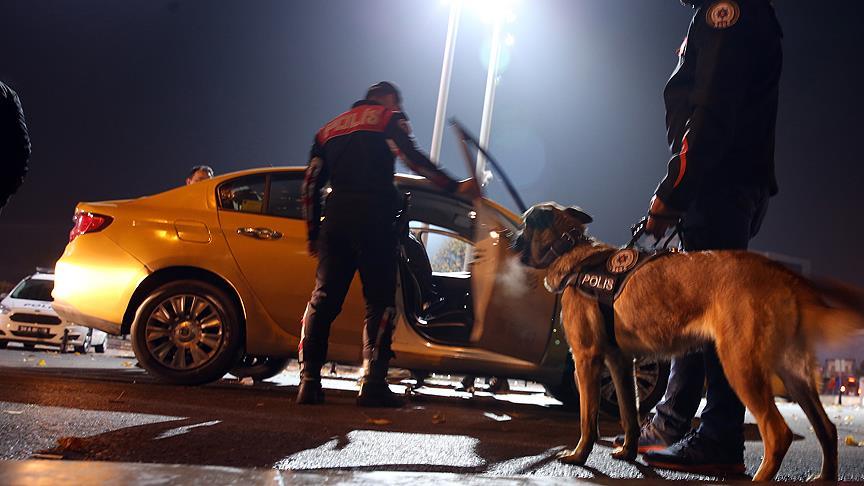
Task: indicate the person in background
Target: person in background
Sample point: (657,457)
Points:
(199,173)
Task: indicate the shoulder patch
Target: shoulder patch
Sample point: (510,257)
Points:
(723,14)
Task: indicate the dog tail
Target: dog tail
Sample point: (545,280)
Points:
(837,312)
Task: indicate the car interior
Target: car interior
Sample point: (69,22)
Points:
(442,228)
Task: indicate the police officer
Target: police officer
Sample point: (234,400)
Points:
(354,153)
(14,144)
(721,110)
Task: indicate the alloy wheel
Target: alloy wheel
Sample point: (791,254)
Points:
(184,332)
(647,377)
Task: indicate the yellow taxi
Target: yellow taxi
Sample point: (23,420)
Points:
(213,278)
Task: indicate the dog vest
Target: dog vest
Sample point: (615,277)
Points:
(602,276)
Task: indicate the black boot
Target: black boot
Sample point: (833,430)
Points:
(310,392)
(374,391)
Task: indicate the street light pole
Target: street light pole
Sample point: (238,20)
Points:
(489,98)
(444,86)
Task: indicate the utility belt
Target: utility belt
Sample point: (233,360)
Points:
(361,206)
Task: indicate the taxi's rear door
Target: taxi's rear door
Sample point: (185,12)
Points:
(262,219)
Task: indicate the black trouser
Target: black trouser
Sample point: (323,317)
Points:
(356,236)
(724,220)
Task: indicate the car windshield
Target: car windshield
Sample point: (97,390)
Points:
(34,289)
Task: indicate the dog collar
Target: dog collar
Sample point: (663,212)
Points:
(566,242)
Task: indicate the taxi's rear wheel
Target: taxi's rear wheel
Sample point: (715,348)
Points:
(3,344)
(187,332)
(651,376)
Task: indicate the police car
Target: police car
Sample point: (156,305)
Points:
(27,317)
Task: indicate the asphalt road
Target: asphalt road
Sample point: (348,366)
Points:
(103,408)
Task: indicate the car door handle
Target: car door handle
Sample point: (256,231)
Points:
(259,233)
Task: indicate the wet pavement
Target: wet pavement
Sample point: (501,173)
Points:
(65,408)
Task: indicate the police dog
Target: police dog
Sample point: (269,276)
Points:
(763,319)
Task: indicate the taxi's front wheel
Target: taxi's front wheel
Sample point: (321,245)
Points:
(187,332)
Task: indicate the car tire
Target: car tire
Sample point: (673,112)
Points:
(187,332)
(82,348)
(259,368)
(99,348)
(29,347)
(3,344)
(652,376)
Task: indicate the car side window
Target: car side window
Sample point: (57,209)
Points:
(245,194)
(447,251)
(285,199)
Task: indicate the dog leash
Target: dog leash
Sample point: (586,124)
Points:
(639,228)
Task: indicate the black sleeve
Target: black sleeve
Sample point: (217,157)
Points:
(403,144)
(317,176)
(723,73)
(14,141)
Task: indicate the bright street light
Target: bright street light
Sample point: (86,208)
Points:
(495,12)
(500,12)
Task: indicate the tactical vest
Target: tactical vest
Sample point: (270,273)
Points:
(602,276)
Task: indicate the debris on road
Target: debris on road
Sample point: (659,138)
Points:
(850,441)
(378,421)
(42,455)
(41,363)
(498,418)
(72,444)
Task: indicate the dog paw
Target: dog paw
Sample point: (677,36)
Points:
(623,454)
(822,477)
(573,456)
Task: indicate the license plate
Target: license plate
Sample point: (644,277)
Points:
(34,329)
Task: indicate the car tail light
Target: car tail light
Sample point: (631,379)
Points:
(85,222)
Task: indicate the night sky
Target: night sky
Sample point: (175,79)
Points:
(122,98)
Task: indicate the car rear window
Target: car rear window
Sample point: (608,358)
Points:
(245,194)
(34,289)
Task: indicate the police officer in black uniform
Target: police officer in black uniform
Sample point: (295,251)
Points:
(354,153)
(14,144)
(721,111)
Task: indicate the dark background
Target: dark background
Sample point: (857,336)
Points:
(123,97)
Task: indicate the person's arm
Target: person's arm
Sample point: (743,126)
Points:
(14,141)
(317,175)
(402,142)
(723,74)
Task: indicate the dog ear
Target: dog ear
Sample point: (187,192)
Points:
(581,216)
(539,217)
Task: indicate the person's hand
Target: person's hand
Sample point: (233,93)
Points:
(660,218)
(469,188)
(312,248)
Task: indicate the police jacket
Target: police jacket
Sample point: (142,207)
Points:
(14,143)
(355,154)
(721,101)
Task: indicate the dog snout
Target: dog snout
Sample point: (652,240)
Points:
(520,246)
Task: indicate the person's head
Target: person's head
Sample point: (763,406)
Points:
(199,173)
(385,93)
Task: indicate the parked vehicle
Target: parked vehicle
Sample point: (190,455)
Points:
(27,317)
(214,277)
